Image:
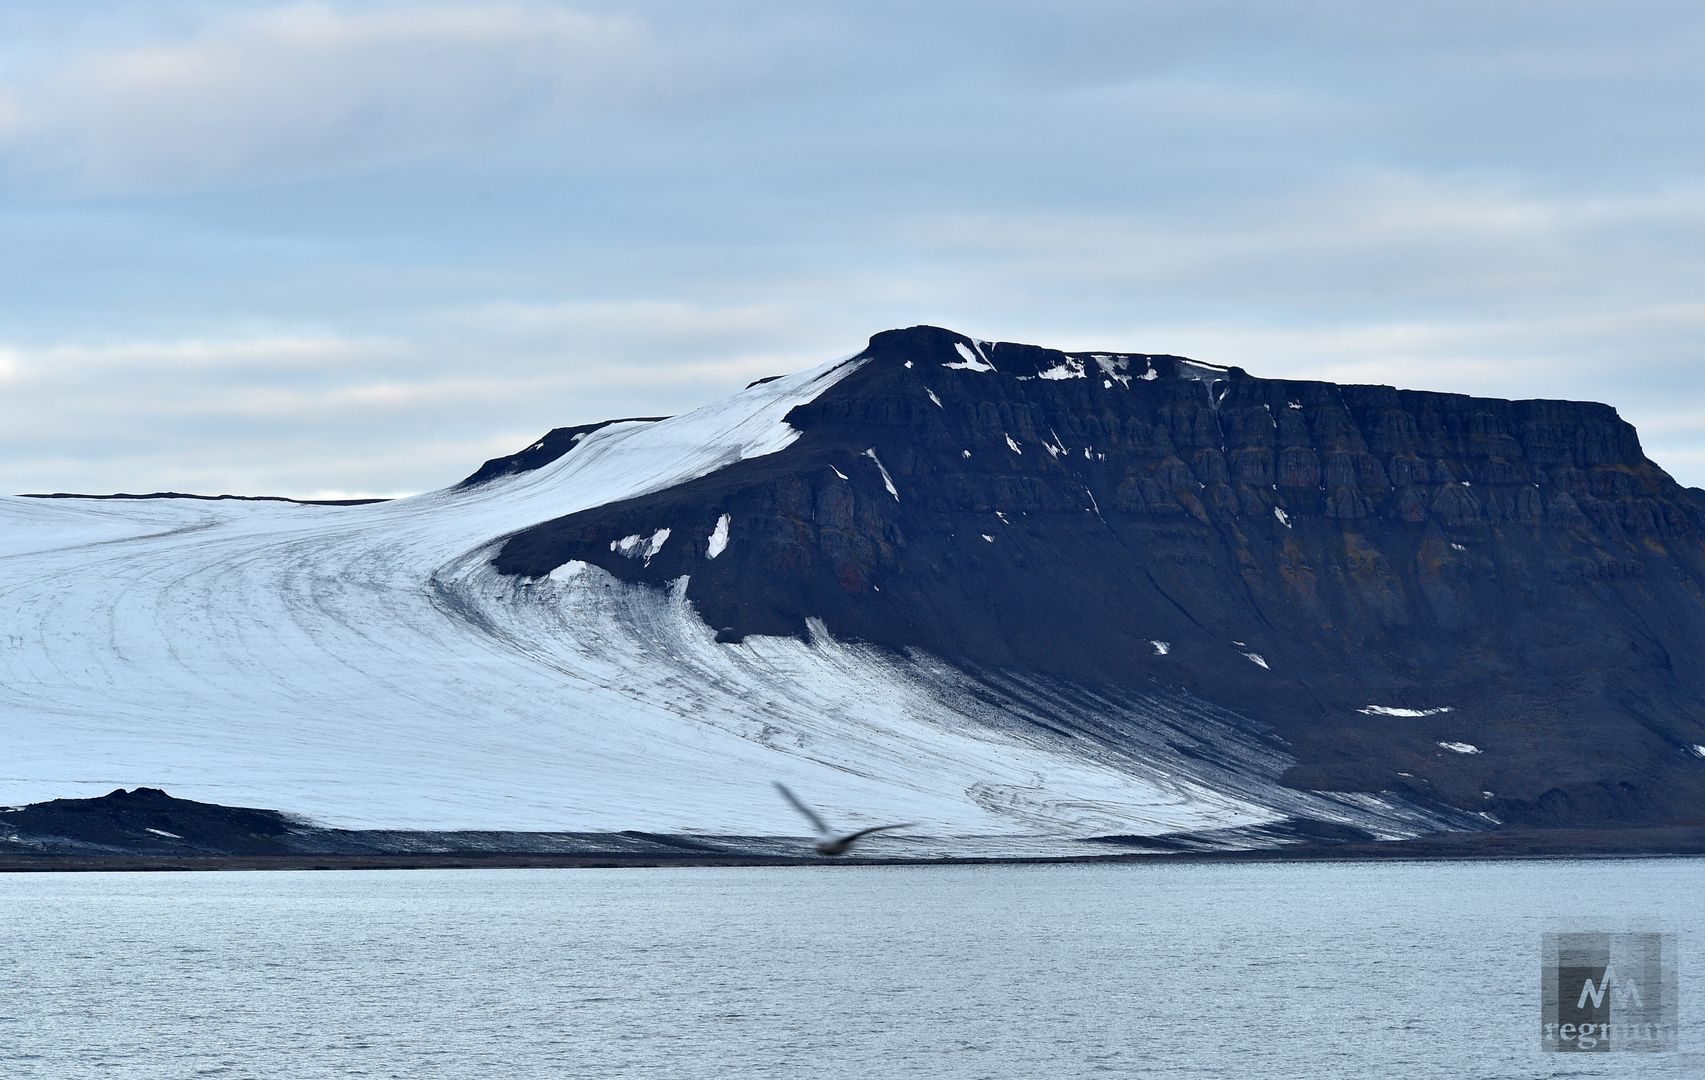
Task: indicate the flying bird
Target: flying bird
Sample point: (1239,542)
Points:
(828,842)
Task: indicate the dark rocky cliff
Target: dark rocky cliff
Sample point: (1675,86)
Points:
(1304,551)
(554,444)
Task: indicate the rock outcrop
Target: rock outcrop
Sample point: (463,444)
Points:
(1385,576)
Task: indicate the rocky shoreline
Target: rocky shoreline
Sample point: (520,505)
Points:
(148,829)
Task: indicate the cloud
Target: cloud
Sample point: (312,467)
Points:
(161,358)
(360,244)
(615,339)
(11,117)
(310,88)
(1179,100)
(1555,356)
(414,408)
(1344,237)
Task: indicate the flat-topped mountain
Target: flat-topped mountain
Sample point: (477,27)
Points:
(1009,593)
(1421,591)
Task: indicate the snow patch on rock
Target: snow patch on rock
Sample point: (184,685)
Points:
(638,546)
(568,571)
(1395,710)
(1114,368)
(887,481)
(718,542)
(1071,369)
(971,361)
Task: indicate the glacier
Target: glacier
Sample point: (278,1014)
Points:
(365,667)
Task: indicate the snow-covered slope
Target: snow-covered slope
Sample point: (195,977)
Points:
(367,667)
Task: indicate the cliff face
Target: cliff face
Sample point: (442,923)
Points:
(1325,559)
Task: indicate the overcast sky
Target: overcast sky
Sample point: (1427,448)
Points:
(356,248)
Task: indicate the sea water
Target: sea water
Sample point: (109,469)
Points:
(1026,971)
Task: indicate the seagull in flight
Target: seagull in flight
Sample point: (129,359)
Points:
(828,843)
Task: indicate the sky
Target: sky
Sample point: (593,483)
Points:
(343,249)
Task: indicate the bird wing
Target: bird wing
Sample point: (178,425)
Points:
(816,821)
(850,837)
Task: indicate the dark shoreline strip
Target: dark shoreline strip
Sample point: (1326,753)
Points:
(1678,843)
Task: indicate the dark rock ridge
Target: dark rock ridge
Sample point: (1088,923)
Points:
(556,443)
(147,820)
(147,829)
(1520,564)
(125,496)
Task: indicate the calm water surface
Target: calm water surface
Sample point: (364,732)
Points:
(1353,970)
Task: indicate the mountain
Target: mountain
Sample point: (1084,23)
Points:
(1000,590)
